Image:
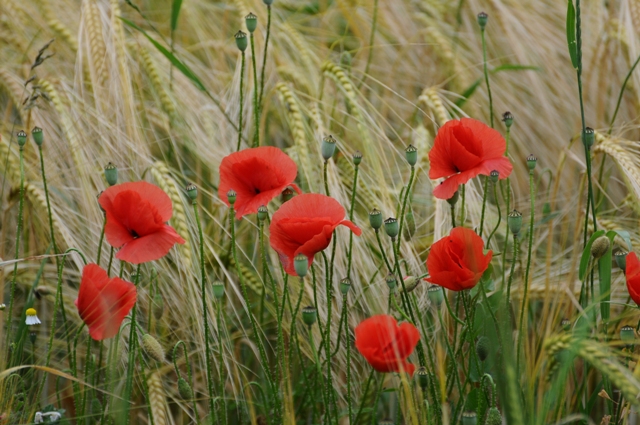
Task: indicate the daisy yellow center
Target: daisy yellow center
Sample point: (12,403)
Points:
(31,312)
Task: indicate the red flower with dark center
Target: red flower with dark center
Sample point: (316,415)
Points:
(304,225)
(632,273)
(464,149)
(257,175)
(136,221)
(104,302)
(385,345)
(457,261)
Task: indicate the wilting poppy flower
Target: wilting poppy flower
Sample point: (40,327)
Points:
(633,277)
(257,175)
(103,302)
(464,149)
(386,345)
(304,225)
(457,261)
(136,221)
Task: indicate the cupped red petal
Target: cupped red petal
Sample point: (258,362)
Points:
(151,247)
(116,234)
(493,144)
(632,273)
(147,192)
(448,187)
(139,216)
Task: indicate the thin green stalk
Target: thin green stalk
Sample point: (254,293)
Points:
(513,266)
(104,224)
(264,57)
(624,85)
(404,205)
(110,262)
(292,331)
(364,396)
(371,40)
(382,252)
(189,376)
(506,231)
(241,100)
(495,196)
(221,366)
(256,110)
(87,363)
(319,370)
(462,204)
(327,338)
(326,182)
(486,73)
(353,202)
(526,273)
(131,361)
(484,204)
(347,343)
(376,398)
(453,216)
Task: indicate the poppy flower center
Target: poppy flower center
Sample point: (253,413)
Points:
(134,234)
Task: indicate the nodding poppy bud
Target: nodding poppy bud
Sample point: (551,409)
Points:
(301,264)
(494,417)
(482,348)
(514,220)
(621,259)
(22,138)
(158,306)
(287,194)
(38,135)
(454,199)
(628,335)
(531,162)
(436,295)
(231,196)
(153,348)
(262,212)
(600,246)
(423,377)
(96,407)
(589,137)
(391,227)
(357,157)
(241,40)
(507,118)
(469,418)
(184,389)
(218,289)
(494,176)
(565,324)
(391,281)
(328,147)
(411,154)
(309,315)
(411,283)
(375,219)
(192,191)
(345,285)
(482,20)
(251,21)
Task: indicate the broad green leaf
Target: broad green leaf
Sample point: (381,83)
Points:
(175,13)
(586,254)
(571,34)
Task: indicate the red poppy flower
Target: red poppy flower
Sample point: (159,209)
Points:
(457,261)
(463,150)
(386,345)
(257,175)
(304,225)
(136,221)
(632,273)
(103,302)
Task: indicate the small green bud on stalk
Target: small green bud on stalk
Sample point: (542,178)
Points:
(158,306)
(38,135)
(514,220)
(482,348)
(411,283)
(184,389)
(328,147)
(357,157)
(628,335)
(391,227)
(391,281)
(251,21)
(436,295)
(621,259)
(22,138)
(375,219)
(309,315)
(494,417)
(153,348)
(301,264)
(32,337)
(454,199)
(565,324)
(262,212)
(231,196)
(241,41)
(469,418)
(482,20)
(531,162)
(494,176)
(600,247)
(345,285)
(423,377)
(218,290)
(589,137)
(507,118)
(411,155)
(192,191)
(287,194)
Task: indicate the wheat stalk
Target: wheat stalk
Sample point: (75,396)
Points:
(157,398)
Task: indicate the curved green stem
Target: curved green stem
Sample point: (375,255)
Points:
(104,224)
(353,201)
(241,106)
(526,273)
(132,355)
(382,252)
(256,110)
(513,266)
(484,205)
(486,74)
(495,196)
(404,205)
(264,57)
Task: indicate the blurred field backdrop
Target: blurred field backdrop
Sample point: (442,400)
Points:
(109,95)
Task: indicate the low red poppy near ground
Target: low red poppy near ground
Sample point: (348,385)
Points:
(257,175)
(304,225)
(136,221)
(464,149)
(457,261)
(385,344)
(632,273)
(104,302)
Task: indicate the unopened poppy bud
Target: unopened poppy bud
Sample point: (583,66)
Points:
(391,281)
(391,227)
(328,147)
(38,135)
(96,407)
(410,229)
(411,283)
(469,418)
(621,259)
(158,306)
(262,212)
(218,289)
(565,324)
(184,389)
(375,219)
(192,191)
(32,337)
(231,196)
(301,264)
(309,315)
(589,137)
(153,348)
(411,154)
(357,157)
(482,20)
(494,176)
(111,173)
(251,21)
(494,417)
(436,295)
(268,2)
(507,118)
(514,220)
(22,138)
(345,285)
(600,247)
(482,348)
(454,199)
(627,335)
(287,194)
(241,40)
(423,377)
(531,162)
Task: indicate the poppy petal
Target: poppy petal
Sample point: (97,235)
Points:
(493,144)
(151,247)
(147,192)
(632,273)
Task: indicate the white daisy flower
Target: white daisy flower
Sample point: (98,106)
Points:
(32,317)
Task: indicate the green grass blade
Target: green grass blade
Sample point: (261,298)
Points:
(175,13)
(571,34)
(586,254)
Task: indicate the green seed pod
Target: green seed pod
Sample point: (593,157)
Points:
(357,157)
(565,324)
(411,154)
(482,348)
(454,199)
(22,138)
(391,281)
(628,335)
(262,212)
(494,417)
(287,194)
(494,176)
(469,418)
(241,40)
(482,20)
(514,220)
(345,285)
(96,407)
(309,315)
(410,229)
(589,137)
(531,162)
(600,247)
(184,389)
(192,191)
(268,2)
(38,135)
(251,21)
(621,259)
(153,348)
(375,219)
(231,196)
(301,264)
(391,227)
(411,283)
(436,295)
(507,118)
(158,306)
(328,147)
(218,289)
(422,376)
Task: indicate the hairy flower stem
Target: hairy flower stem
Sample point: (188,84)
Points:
(364,396)
(486,74)
(495,196)
(241,100)
(462,204)
(188,366)
(256,109)
(353,201)
(319,372)
(513,266)
(347,343)
(326,181)
(404,205)
(453,216)
(376,398)
(327,338)
(382,252)
(264,56)
(484,204)
(506,232)
(205,317)
(131,363)
(104,224)
(532,192)
(223,409)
